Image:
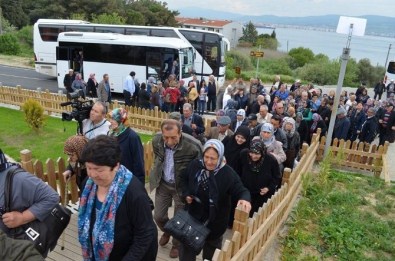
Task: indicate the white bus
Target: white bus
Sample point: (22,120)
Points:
(390,72)
(209,46)
(117,55)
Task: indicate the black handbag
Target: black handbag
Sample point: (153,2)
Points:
(44,235)
(188,230)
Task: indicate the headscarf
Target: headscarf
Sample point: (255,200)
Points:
(257,146)
(219,148)
(289,120)
(92,77)
(299,115)
(120,115)
(316,118)
(102,241)
(233,149)
(268,127)
(75,144)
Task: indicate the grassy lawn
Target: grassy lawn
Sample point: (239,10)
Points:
(342,216)
(15,136)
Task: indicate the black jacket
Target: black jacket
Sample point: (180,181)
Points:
(198,120)
(228,185)
(135,233)
(268,176)
(132,153)
(369,130)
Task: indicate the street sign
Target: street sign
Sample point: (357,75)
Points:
(256,53)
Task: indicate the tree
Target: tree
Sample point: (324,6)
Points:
(267,42)
(113,18)
(300,56)
(14,13)
(150,12)
(273,35)
(250,34)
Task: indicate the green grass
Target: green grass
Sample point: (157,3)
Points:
(342,216)
(15,135)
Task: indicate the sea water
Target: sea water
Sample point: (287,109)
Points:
(330,43)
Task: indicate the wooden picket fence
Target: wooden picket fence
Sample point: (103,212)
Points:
(51,171)
(138,118)
(357,156)
(253,236)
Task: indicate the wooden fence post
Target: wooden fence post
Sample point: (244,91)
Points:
(287,174)
(26,160)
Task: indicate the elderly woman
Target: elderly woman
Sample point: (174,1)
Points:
(273,146)
(73,147)
(208,185)
(129,142)
(260,174)
(115,220)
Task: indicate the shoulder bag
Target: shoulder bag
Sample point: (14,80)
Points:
(44,235)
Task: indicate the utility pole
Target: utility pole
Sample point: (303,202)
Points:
(386,60)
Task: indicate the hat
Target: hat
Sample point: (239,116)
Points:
(175,115)
(298,81)
(341,110)
(241,112)
(267,127)
(252,117)
(224,120)
(392,80)
(71,70)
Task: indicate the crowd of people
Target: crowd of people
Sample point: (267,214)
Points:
(237,162)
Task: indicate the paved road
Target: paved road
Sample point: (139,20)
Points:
(27,78)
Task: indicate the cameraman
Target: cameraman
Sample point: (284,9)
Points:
(96,124)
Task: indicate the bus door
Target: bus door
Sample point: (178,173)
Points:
(68,58)
(155,65)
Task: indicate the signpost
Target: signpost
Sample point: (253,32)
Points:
(351,26)
(257,54)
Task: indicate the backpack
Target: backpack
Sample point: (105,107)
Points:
(44,235)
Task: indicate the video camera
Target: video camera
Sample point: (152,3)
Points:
(81,108)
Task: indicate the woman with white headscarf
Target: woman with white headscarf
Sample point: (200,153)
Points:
(208,185)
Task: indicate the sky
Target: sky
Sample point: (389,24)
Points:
(292,8)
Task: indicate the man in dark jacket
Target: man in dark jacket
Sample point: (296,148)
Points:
(211,94)
(357,118)
(172,153)
(342,125)
(379,89)
(194,121)
(369,127)
(387,125)
(68,81)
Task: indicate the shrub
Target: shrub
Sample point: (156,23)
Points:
(237,59)
(9,44)
(25,35)
(34,114)
(300,57)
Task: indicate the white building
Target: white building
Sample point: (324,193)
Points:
(233,31)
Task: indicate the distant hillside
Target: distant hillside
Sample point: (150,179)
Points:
(376,25)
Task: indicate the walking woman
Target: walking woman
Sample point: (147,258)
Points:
(91,88)
(260,173)
(114,219)
(207,186)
